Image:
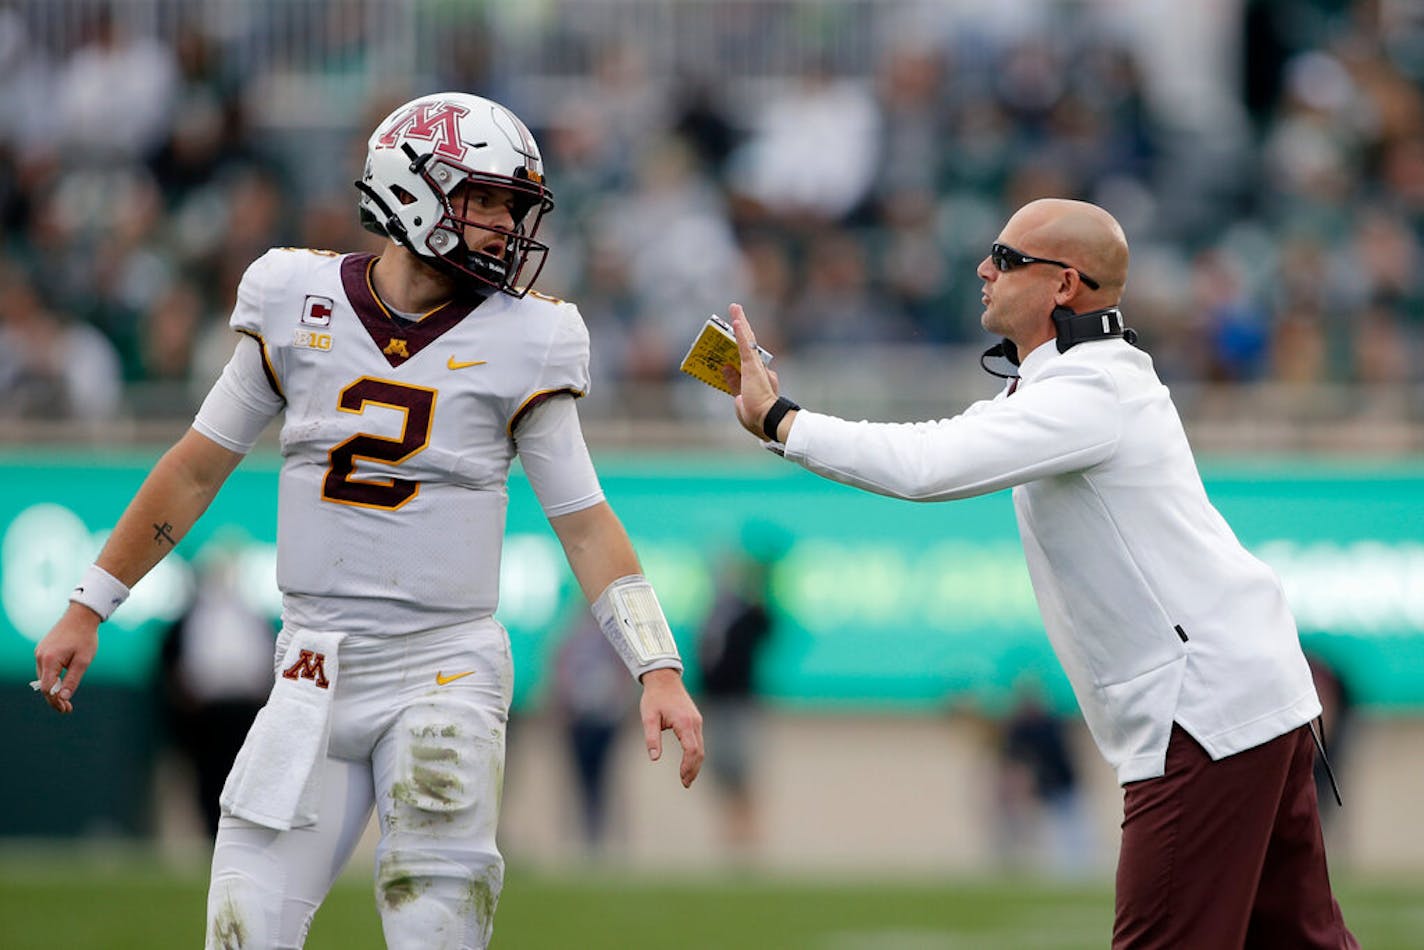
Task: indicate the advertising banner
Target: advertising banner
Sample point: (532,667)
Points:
(879,603)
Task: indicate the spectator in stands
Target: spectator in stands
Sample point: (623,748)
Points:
(170,332)
(51,368)
(27,117)
(927,135)
(685,269)
(811,155)
(1237,326)
(114,95)
(837,303)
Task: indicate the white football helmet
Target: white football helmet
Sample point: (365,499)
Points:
(424,150)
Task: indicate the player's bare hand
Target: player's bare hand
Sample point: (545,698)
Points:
(666,705)
(756,386)
(69,646)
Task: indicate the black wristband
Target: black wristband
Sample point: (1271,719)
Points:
(774,415)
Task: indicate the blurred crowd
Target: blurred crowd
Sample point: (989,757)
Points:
(139,175)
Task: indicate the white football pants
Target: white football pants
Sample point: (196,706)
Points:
(418,726)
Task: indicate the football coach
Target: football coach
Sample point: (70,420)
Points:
(1179,644)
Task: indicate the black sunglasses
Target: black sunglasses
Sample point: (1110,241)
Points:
(1006,258)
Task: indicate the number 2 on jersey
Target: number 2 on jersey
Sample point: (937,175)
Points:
(340,485)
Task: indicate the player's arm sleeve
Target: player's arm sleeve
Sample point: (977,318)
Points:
(555,457)
(242,401)
(1060,424)
(562,364)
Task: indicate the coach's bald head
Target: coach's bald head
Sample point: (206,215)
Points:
(1084,238)
(1078,233)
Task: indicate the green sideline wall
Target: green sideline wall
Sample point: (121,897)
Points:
(882,604)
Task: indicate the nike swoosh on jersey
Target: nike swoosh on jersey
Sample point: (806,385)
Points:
(453,363)
(442,680)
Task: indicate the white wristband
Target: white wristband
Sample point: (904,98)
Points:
(631,618)
(100,591)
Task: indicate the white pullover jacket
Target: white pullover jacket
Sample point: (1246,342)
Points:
(1155,610)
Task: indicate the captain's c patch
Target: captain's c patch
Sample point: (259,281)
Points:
(316,312)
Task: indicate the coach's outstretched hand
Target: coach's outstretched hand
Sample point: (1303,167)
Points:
(756,386)
(666,705)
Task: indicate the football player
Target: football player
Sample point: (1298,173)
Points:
(407,383)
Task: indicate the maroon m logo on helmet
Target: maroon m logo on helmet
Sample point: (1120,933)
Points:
(309,666)
(437,122)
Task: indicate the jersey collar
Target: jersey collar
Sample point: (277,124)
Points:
(398,340)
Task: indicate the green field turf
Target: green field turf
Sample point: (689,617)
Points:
(109,903)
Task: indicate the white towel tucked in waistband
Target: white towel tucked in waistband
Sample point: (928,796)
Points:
(276,778)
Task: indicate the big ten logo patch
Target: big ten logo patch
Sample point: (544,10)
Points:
(309,666)
(316,312)
(312,340)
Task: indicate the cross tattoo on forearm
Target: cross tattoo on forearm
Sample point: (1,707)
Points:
(162,533)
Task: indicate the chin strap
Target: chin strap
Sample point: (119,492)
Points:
(495,275)
(391,226)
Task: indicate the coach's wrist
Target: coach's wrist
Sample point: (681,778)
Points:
(776,424)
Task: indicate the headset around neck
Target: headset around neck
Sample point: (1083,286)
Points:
(1073,328)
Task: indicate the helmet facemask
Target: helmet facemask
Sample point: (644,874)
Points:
(449,241)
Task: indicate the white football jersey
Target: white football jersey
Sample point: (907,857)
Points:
(397,437)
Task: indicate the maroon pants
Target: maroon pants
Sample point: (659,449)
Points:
(1217,855)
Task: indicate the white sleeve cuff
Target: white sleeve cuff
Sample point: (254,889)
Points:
(241,402)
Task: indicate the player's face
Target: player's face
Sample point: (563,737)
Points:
(486,211)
